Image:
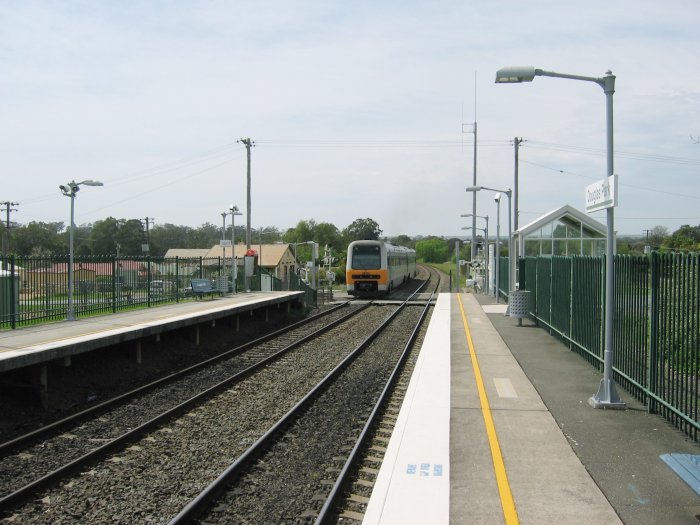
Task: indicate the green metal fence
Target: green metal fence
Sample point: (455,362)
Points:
(656,329)
(35,289)
(503,277)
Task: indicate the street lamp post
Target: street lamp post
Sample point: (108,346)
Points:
(70,190)
(511,252)
(234,267)
(607,396)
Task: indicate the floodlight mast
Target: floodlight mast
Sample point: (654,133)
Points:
(70,190)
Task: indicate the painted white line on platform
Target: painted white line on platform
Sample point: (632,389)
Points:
(504,388)
(495,308)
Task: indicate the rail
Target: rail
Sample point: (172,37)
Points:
(199,504)
(29,489)
(327,511)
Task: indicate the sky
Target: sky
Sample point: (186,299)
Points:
(359,109)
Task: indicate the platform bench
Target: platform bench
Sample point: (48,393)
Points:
(201,287)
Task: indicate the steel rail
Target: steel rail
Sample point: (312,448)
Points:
(28,490)
(210,493)
(327,511)
(39,433)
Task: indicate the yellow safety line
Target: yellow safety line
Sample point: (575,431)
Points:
(507,503)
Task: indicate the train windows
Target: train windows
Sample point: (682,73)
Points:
(366,257)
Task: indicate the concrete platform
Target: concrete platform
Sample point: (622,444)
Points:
(45,342)
(475,442)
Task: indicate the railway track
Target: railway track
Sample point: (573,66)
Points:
(95,465)
(38,458)
(315,447)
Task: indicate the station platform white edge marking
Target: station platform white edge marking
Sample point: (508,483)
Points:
(106,326)
(413,484)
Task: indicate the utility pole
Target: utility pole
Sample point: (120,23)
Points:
(148,221)
(473,242)
(6,234)
(248,144)
(516,143)
(473,248)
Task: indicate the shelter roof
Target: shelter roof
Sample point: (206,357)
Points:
(567,214)
(187,252)
(269,255)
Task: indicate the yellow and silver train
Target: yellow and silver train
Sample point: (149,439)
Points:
(377,267)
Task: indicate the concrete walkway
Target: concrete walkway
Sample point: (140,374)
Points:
(619,449)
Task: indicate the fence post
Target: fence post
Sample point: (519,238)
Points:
(177,279)
(571,301)
(653,332)
(601,328)
(148,281)
(114,284)
(13,308)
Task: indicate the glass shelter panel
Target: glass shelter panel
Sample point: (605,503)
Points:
(567,236)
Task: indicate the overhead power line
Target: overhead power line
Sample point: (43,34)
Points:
(670,159)
(634,186)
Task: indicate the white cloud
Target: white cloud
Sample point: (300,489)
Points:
(111,91)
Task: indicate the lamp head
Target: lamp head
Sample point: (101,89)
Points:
(474,188)
(510,75)
(91,182)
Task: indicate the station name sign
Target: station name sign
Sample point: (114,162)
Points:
(602,194)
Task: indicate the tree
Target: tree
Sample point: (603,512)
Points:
(327,234)
(685,238)
(104,236)
(302,232)
(432,250)
(266,235)
(206,236)
(362,229)
(166,236)
(131,236)
(82,240)
(44,235)
(657,236)
(403,240)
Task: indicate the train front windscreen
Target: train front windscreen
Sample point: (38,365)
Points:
(366,257)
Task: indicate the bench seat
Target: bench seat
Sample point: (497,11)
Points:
(201,287)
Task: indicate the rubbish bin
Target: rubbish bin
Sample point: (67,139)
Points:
(9,297)
(519,304)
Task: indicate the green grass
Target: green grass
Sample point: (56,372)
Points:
(450,268)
